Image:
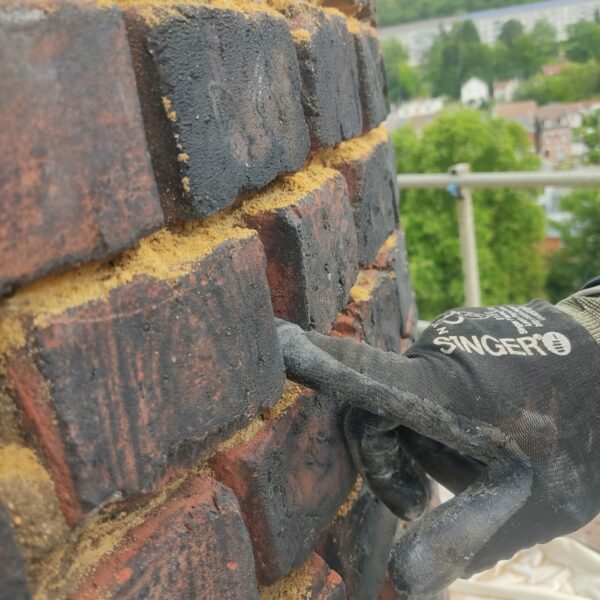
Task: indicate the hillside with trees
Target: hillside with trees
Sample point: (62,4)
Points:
(394,12)
(459,54)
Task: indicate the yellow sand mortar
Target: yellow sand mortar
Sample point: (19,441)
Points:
(356,26)
(345,508)
(165,255)
(157,11)
(296,586)
(27,491)
(288,189)
(291,393)
(92,543)
(353,149)
(362,290)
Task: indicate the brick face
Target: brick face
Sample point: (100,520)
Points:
(330,86)
(290,478)
(191,544)
(368,166)
(220,92)
(153,372)
(393,258)
(357,545)
(305,224)
(373,315)
(373,86)
(13,574)
(75,176)
(312,581)
(174,175)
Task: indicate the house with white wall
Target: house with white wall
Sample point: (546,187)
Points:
(474,92)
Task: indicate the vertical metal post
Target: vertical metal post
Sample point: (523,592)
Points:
(468,246)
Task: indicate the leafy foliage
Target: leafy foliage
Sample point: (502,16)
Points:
(404,81)
(574,82)
(579,258)
(519,54)
(584,42)
(404,11)
(459,54)
(455,57)
(509,223)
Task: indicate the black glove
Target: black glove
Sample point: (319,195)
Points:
(500,404)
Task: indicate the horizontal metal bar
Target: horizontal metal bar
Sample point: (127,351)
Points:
(516,179)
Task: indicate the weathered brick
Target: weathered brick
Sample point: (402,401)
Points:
(312,581)
(75,176)
(305,224)
(29,498)
(367,163)
(13,573)
(189,543)
(393,257)
(290,472)
(357,544)
(329,70)
(373,315)
(220,95)
(127,368)
(373,85)
(365,10)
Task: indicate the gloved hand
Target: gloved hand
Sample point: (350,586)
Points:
(500,404)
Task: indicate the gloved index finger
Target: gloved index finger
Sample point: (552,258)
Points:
(310,365)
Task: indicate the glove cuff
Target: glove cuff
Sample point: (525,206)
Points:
(585,309)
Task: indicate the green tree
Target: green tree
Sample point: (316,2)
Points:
(575,82)
(520,54)
(509,223)
(583,43)
(455,57)
(511,31)
(404,81)
(579,258)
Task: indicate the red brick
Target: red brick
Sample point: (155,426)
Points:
(367,163)
(393,257)
(312,581)
(220,94)
(290,473)
(373,86)
(357,544)
(127,369)
(330,87)
(191,544)
(75,176)
(364,10)
(305,224)
(13,573)
(373,315)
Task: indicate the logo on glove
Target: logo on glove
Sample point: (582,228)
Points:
(531,345)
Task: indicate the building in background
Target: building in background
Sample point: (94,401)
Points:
(419,37)
(504,91)
(474,92)
(554,135)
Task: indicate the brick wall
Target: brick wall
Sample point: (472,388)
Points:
(173,176)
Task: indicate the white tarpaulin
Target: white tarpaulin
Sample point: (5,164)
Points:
(560,570)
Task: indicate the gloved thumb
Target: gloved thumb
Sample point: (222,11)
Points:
(439,547)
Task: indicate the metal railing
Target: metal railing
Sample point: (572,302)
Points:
(459,181)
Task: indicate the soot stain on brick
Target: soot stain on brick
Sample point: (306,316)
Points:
(233,85)
(79,188)
(330,84)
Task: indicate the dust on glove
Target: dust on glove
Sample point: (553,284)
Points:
(499,404)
